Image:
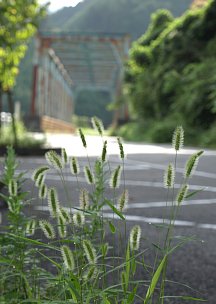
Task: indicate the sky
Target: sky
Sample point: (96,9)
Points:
(58,4)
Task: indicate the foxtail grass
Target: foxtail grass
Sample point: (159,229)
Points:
(74,254)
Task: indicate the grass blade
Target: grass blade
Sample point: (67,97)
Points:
(154,280)
(115,210)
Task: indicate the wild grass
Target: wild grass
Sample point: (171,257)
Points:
(75,254)
(24,139)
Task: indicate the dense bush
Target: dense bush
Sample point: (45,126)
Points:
(171,73)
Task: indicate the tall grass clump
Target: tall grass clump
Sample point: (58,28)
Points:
(25,140)
(76,253)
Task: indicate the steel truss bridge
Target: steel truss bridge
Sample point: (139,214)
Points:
(66,63)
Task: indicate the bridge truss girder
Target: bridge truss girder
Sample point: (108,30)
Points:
(76,61)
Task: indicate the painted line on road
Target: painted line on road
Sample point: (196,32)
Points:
(168,204)
(161,185)
(142,167)
(131,183)
(164,204)
(148,220)
(137,165)
(134,165)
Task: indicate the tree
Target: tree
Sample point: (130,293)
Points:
(19,20)
(171,74)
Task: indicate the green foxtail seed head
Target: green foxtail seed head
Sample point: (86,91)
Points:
(12,187)
(90,252)
(54,160)
(169,176)
(64,156)
(40,180)
(68,258)
(115,178)
(53,202)
(63,212)
(82,137)
(30,227)
(47,228)
(97,125)
(123,200)
(192,164)
(182,194)
(78,219)
(135,236)
(121,148)
(62,229)
(89,175)
(104,152)
(42,191)
(98,168)
(74,166)
(37,173)
(178,138)
(91,273)
(84,199)
(104,249)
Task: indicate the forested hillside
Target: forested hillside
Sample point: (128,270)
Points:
(171,77)
(130,16)
(57,20)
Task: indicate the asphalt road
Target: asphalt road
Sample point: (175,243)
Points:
(194,264)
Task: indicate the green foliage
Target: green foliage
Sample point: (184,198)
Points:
(10,166)
(24,138)
(81,121)
(19,20)
(132,131)
(77,265)
(159,21)
(207,138)
(149,131)
(170,75)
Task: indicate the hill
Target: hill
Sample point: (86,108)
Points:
(57,20)
(130,16)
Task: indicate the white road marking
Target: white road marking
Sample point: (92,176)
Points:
(161,185)
(207,226)
(134,165)
(168,204)
(151,220)
(130,183)
(148,220)
(138,165)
